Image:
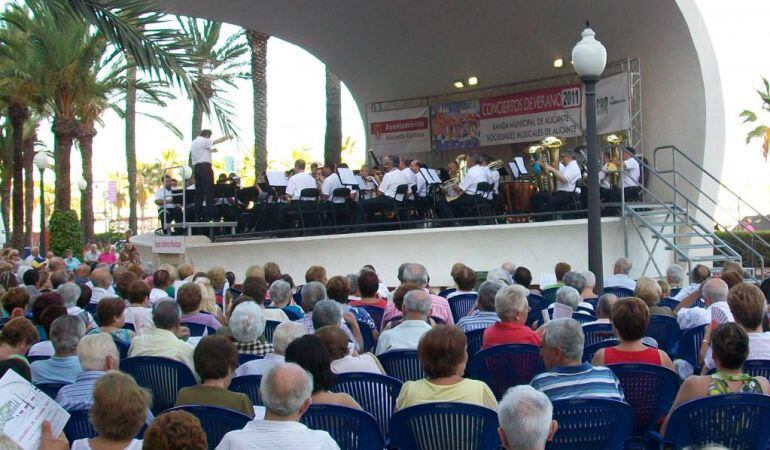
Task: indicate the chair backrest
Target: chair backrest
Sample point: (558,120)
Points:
(375,393)
(549,295)
(649,389)
(674,291)
(376,313)
(249,385)
(597,332)
(669,302)
(402,365)
(162,376)
(306,193)
(342,192)
(91,307)
(366,333)
(446,292)
(619,291)
(197,329)
(475,339)
(50,389)
(297,296)
(129,326)
(757,367)
(291,314)
(461,304)
(78,426)
(401,191)
(483,190)
(32,359)
(665,330)
(536,305)
(735,421)
(352,429)
(505,366)
(243,358)
(591,424)
(689,345)
(444,425)
(215,421)
(590,351)
(583,318)
(270,327)
(122,347)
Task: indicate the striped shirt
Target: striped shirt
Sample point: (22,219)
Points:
(483,319)
(79,395)
(583,381)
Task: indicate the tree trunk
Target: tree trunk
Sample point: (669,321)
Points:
(29,186)
(18,114)
(131,143)
(197,119)
(5,202)
(333,144)
(65,130)
(258,44)
(86,138)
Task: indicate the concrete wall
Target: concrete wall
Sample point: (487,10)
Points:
(538,246)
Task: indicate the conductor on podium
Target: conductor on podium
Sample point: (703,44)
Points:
(200,154)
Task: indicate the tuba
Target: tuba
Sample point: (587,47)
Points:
(615,155)
(546,151)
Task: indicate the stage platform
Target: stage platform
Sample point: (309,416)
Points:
(537,246)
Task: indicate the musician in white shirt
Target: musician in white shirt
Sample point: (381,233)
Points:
(369,184)
(566,177)
(386,192)
(299,181)
(606,192)
(168,210)
(632,190)
(330,184)
(476,174)
(421,184)
(405,166)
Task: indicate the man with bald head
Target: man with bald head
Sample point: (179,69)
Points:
(714,294)
(56,263)
(285,391)
(102,281)
(619,277)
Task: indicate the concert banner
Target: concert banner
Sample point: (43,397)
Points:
(399,131)
(612,104)
(455,125)
(531,116)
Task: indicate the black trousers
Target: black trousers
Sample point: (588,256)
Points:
(559,201)
(169,215)
(204,190)
(460,205)
(367,208)
(632,193)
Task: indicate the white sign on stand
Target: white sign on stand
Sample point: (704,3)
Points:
(169,244)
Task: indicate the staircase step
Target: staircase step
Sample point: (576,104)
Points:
(696,246)
(668,224)
(690,234)
(655,213)
(714,258)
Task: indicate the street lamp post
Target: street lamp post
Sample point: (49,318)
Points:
(41,162)
(589,57)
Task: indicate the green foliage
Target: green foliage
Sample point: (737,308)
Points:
(66,233)
(760,131)
(748,257)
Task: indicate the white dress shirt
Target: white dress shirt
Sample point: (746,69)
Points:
(331,183)
(139,316)
(572,173)
(162,193)
(475,175)
(258,366)
(422,185)
(694,317)
(620,280)
(391,181)
(410,176)
(631,172)
(98,293)
(405,336)
(277,435)
(687,290)
(200,150)
(494,179)
(298,182)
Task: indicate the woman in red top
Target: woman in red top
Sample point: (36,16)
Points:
(368,284)
(630,317)
(512,307)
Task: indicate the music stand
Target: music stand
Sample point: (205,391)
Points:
(347,177)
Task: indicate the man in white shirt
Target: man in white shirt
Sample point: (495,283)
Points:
(606,192)
(619,277)
(386,192)
(200,154)
(632,190)
(168,210)
(698,274)
(285,391)
(331,182)
(102,282)
(299,181)
(475,175)
(407,335)
(566,176)
(405,166)
(714,292)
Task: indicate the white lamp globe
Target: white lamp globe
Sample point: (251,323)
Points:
(187,172)
(82,184)
(41,160)
(589,55)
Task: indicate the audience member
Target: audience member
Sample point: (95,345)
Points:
(523,277)
(281,298)
(442,353)
(406,335)
(45,300)
(16,337)
(189,298)
(397,296)
(138,313)
(630,317)
(329,313)
(665,289)
(97,354)
(559,270)
(63,367)
(215,361)
(588,291)
(247,323)
(311,355)
(286,392)
(499,274)
(70,293)
(47,317)
(175,430)
(603,308)
(336,342)
(102,285)
(465,280)
(256,288)
(283,335)
(368,287)
(485,307)
(338,289)
(649,291)
(162,340)
(123,283)
(18,365)
(312,293)
(32,284)
(619,277)
(526,419)
(417,273)
(567,376)
(714,292)
(57,278)
(675,276)
(731,278)
(161,280)
(698,275)
(315,273)
(209,300)
(570,296)
(512,308)
(577,281)
(15,301)
(111,314)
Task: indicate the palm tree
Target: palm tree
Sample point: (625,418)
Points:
(30,140)
(6,164)
(333,141)
(760,131)
(258,44)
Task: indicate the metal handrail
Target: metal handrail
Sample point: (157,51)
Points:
(676,151)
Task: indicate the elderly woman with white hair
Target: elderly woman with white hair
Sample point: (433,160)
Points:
(512,307)
(569,296)
(247,324)
(284,334)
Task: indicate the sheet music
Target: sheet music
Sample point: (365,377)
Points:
(520,164)
(346,176)
(547,279)
(434,174)
(277,179)
(427,175)
(514,169)
(361,183)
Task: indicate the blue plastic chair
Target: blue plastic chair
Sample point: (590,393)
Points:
(162,376)
(583,318)
(597,332)
(668,301)
(446,292)
(402,365)
(592,301)
(590,351)
(215,421)
(243,358)
(375,393)
(297,296)
(78,426)
(50,389)
(665,330)
(475,339)
(757,367)
(649,389)
(674,291)
(366,333)
(129,326)
(536,305)
(198,330)
(461,305)
(505,366)
(689,346)
(589,424)
(620,292)
(91,308)
(32,359)
(352,429)
(443,425)
(376,313)
(735,421)
(270,327)
(290,313)
(549,295)
(249,385)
